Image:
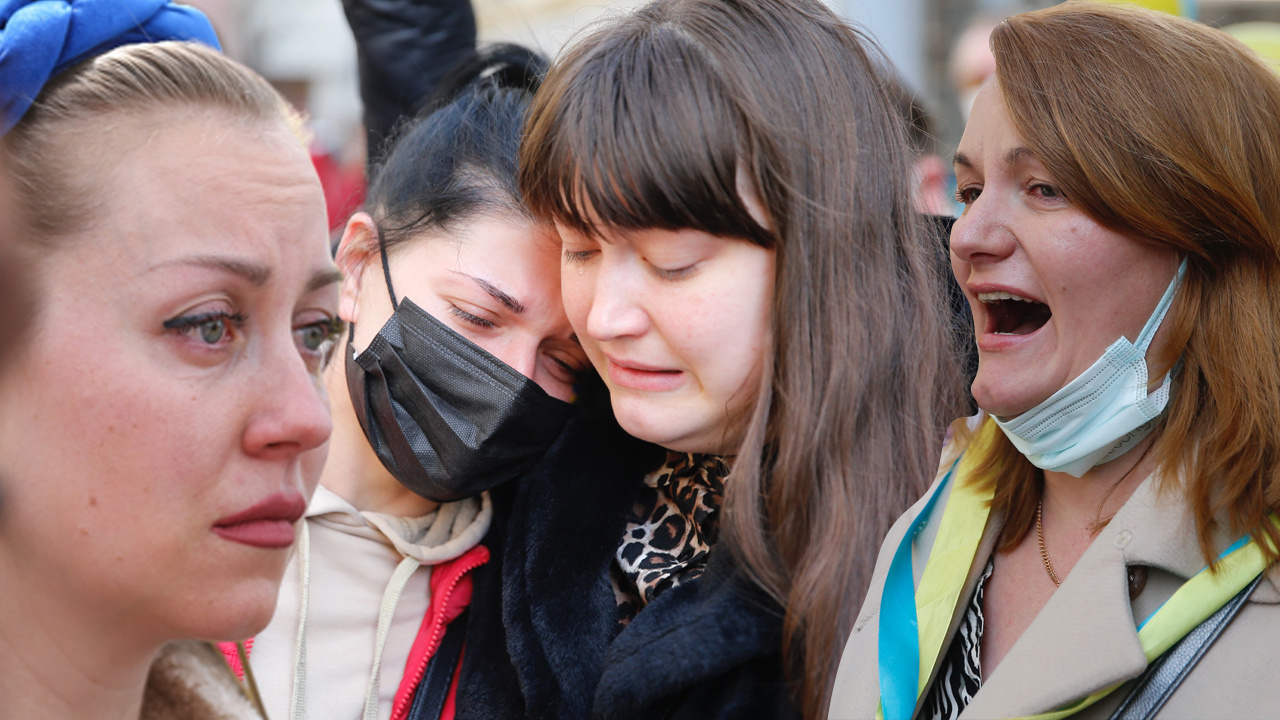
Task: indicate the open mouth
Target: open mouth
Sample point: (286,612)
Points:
(1010,314)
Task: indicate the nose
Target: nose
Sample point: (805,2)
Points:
(982,234)
(522,356)
(291,409)
(616,307)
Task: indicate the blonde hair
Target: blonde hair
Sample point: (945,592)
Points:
(1168,131)
(53,199)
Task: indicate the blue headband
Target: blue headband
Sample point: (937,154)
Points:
(41,38)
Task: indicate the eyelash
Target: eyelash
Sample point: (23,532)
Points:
(676,274)
(467,317)
(962,193)
(186,324)
(576,257)
(333,328)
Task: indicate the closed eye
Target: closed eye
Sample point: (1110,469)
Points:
(673,273)
(470,319)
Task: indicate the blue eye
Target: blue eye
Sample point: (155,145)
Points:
(315,335)
(211,328)
(316,340)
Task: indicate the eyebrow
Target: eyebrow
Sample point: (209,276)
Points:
(1010,158)
(256,273)
(1017,154)
(324,278)
(507,301)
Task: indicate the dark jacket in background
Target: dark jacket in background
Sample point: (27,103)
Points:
(404,48)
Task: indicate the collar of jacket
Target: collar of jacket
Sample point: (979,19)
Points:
(566,521)
(1085,638)
(559,607)
(691,632)
(191,680)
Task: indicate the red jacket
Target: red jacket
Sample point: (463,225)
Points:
(450,596)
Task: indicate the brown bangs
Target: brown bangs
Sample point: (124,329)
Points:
(634,131)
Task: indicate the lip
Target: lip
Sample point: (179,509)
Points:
(642,376)
(266,524)
(991,342)
(976,289)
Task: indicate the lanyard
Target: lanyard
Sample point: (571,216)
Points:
(914,621)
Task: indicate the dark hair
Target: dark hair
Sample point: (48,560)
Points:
(917,121)
(653,121)
(1177,147)
(460,155)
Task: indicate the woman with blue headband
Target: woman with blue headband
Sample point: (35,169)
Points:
(162,427)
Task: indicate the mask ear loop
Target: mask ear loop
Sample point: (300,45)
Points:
(386,273)
(386,268)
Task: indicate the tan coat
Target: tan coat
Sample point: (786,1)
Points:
(1085,637)
(191,681)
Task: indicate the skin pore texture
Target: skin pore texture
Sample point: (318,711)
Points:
(493,279)
(1020,235)
(677,323)
(171,382)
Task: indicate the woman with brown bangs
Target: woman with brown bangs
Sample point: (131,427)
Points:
(1101,539)
(743,267)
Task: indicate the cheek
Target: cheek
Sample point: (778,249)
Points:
(577,289)
(725,332)
(373,306)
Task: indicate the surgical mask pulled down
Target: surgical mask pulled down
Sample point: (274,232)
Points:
(1102,413)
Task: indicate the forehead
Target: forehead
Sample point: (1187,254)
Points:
(991,137)
(517,254)
(189,183)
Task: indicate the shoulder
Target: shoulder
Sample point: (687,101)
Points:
(191,680)
(1237,659)
(857,690)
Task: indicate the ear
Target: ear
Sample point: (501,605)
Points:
(358,247)
(931,177)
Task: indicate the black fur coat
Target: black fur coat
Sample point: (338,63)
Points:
(543,639)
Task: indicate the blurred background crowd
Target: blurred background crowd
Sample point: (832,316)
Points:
(939,49)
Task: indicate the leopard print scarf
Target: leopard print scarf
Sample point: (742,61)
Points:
(670,530)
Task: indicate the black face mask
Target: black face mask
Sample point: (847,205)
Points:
(446,418)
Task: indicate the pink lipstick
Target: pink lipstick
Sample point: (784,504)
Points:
(267,524)
(638,376)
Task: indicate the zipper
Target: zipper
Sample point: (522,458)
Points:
(437,631)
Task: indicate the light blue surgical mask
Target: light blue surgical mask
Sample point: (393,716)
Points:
(1101,414)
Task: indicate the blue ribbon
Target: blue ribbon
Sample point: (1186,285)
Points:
(40,38)
(899,633)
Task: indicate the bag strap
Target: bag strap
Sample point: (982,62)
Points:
(1163,676)
(428,701)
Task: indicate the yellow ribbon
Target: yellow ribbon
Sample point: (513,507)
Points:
(953,554)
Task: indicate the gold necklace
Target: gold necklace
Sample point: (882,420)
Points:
(1044,554)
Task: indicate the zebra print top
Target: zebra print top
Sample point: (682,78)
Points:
(960,675)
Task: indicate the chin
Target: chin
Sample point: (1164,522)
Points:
(237,613)
(1000,398)
(668,429)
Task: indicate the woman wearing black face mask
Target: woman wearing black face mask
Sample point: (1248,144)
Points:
(457,374)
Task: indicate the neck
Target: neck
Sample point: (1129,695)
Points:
(1099,493)
(1076,509)
(62,657)
(353,471)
